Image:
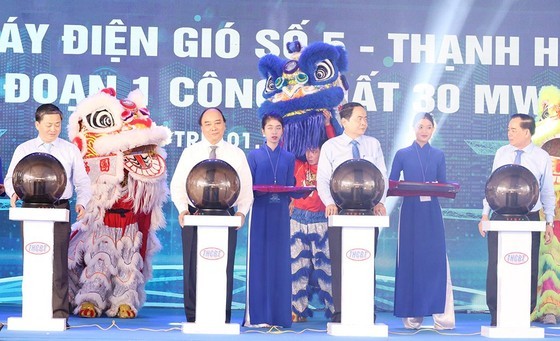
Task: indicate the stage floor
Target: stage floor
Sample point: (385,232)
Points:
(165,324)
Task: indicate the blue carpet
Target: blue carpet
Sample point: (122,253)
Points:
(158,324)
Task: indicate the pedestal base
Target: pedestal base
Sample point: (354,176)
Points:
(513,333)
(372,330)
(46,325)
(36,286)
(199,328)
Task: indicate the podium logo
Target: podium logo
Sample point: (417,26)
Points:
(516,258)
(37,248)
(212,253)
(358,254)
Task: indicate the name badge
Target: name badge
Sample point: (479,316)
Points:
(424,198)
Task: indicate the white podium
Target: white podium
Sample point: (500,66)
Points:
(514,279)
(36,287)
(357,276)
(211,277)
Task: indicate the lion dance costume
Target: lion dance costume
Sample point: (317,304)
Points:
(111,247)
(547,135)
(307,90)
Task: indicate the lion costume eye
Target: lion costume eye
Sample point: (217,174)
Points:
(291,66)
(324,70)
(301,78)
(144,111)
(100,119)
(280,83)
(270,86)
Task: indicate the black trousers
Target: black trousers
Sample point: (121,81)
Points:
(60,302)
(335,249)
(189,238)
(492,270)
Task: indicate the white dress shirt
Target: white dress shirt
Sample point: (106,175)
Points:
(71,159)
(199,151)
(538,162)
(339,149)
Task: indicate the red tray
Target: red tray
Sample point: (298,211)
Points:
(282,189)
(432,189)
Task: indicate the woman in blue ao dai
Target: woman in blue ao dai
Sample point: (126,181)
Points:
(422,279)
(269,281)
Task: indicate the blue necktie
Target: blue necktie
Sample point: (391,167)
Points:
(518,157)
(355,150)
(47,147)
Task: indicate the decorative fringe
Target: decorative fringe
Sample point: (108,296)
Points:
(320,275)
(302,236)
(325,98)
(303,272)
(103,197)
(154,246)
(310,272)
(308,217)
(320,240)
(109,268)
(108,144)
(305,313)
(301,294)
(322,260)
(95,280)
(149,197)
(326,297)
(307,131)
(304,256)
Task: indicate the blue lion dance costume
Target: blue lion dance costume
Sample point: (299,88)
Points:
(307,90)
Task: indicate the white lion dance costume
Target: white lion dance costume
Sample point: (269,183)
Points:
(111,247)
